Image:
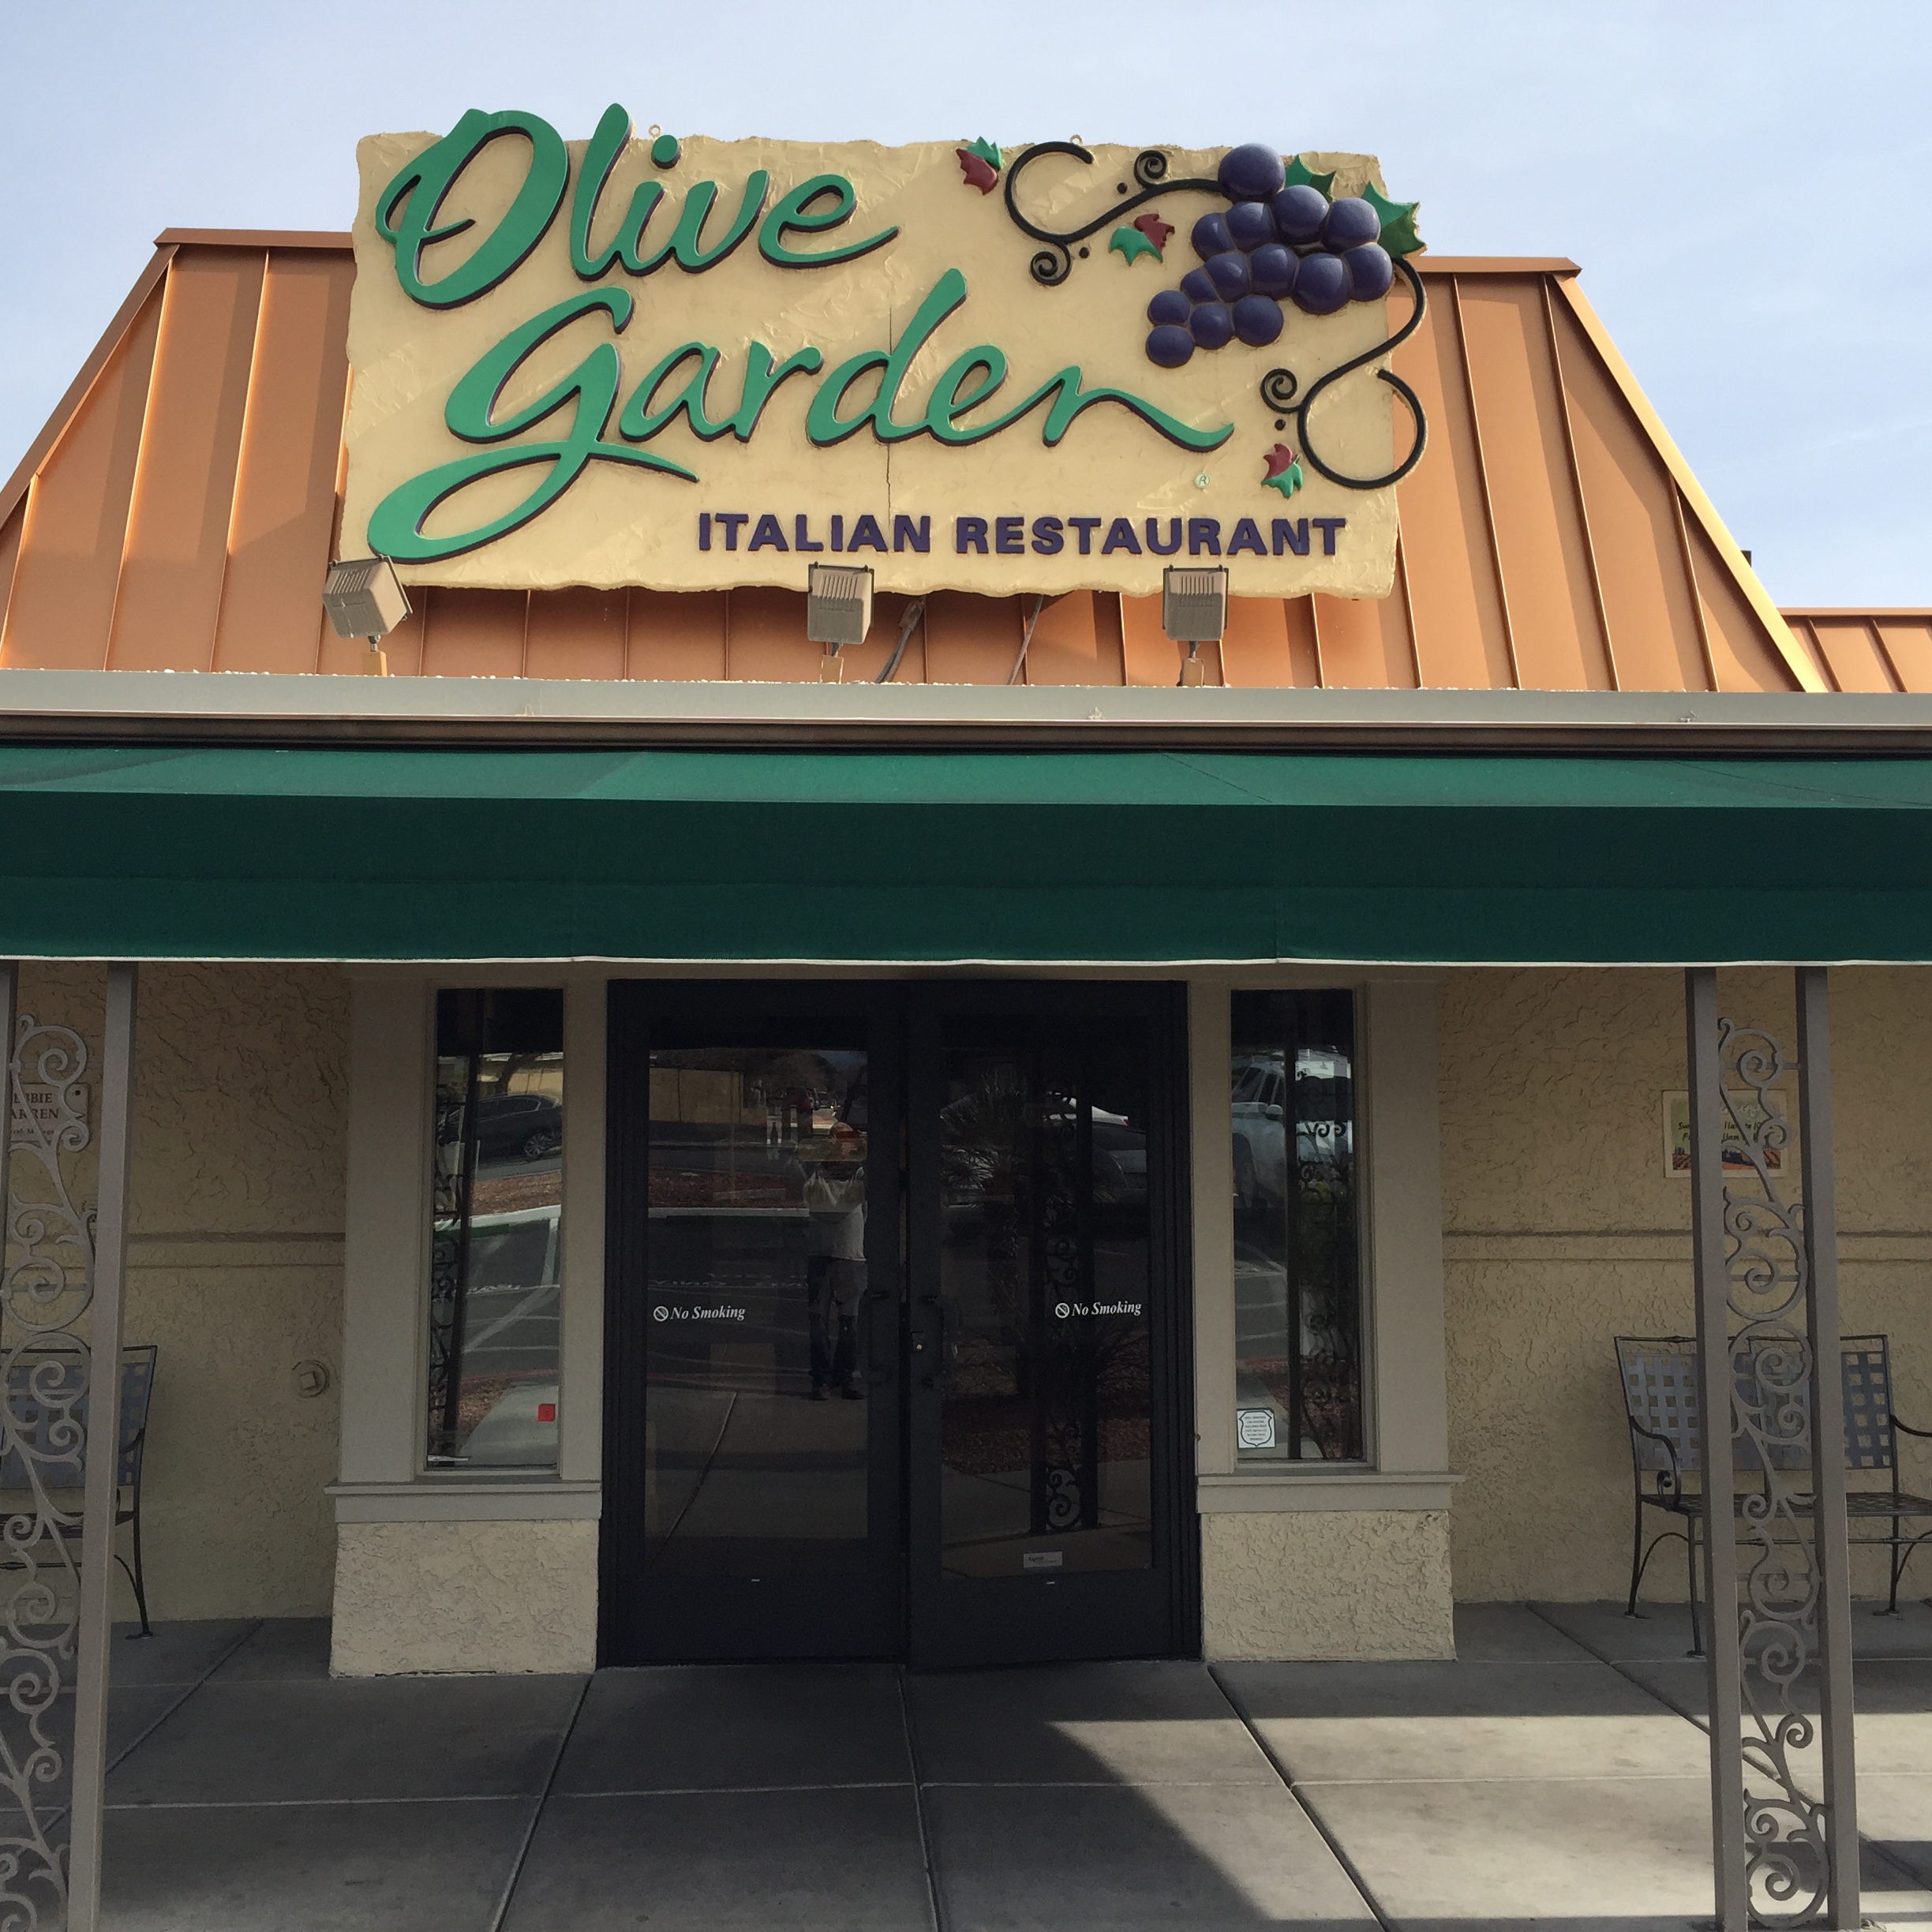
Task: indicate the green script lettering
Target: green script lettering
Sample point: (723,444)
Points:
(686,243)
(794,211)
(823,423)
(612,137)
(395,530)
(421,187)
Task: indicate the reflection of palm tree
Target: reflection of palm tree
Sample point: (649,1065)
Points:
(1328,1269)
(986,1150)
(1020,1151)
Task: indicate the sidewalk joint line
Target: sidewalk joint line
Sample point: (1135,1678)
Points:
(934,1904)
(187,1692)
(537,1810)
(1319,1828)
(286,1804)
(734,1790)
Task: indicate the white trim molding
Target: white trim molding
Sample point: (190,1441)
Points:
(385,1258)
(1349,1488)
(1401,1124)
(392,1052)
(465,1499)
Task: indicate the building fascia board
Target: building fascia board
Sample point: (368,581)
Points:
(331,240)
(133,706)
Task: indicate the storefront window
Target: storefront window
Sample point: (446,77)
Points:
(1298,1276)
(496,1219)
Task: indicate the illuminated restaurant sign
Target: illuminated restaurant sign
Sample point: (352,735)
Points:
(688,364)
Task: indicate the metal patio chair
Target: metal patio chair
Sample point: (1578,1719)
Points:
(1658,1374)
(43,1395)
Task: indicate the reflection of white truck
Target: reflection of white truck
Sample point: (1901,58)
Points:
(1259,1110)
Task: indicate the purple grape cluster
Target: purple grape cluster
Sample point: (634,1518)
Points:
(1274,243)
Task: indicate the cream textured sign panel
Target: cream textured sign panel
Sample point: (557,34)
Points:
(693,364)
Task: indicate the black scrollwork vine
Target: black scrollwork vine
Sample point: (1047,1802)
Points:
(1051,265)
(46,1289)
(1279,387)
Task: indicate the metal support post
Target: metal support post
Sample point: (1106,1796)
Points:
(1830,1548)
(94,1638)
(1714,1394)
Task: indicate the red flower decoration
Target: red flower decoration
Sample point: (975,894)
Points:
(975,168)
(1155,229)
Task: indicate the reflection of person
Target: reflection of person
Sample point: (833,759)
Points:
(835,1269)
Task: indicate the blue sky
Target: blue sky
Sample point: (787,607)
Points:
(1745,185)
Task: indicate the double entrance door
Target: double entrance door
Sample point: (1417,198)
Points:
(897,1336)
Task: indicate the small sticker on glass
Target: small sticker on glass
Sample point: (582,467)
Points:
(1254,1428)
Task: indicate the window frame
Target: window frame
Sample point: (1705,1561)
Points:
(428,1467)
(383,1474)
(1405,1412)
(1274,1088)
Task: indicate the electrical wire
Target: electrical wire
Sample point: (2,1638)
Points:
(915,611)
(1012,676)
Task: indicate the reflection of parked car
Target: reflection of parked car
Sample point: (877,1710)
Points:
(992,1134)
(1120,1158)
(1261,1137)
(531,1125)
(1323,1102)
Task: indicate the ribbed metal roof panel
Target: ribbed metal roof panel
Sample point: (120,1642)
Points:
(181,507)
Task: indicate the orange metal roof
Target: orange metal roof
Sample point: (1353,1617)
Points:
(1867,650)
(179,509)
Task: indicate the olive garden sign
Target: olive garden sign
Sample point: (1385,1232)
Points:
(692,363)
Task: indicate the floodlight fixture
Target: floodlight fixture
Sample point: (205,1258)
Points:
(838,610)
(365,598)
(1194,612)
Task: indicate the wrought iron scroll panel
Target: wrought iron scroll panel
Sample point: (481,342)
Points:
(1768,1334)
(46,1293)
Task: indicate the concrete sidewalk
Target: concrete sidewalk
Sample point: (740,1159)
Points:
(1554,1776)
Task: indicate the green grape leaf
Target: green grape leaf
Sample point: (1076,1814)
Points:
(1133,243)
(1298,175)
(986,152)
(1284,472)
(1399,222)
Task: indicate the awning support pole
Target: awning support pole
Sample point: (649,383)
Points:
(95,1636)
(1831,1545)
(1714,1331)
(1770,1397)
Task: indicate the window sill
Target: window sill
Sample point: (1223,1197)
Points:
(1261,1490)
(466,1498)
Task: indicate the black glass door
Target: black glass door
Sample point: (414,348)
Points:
(1048,1410)
(753,1502)
(896,1333)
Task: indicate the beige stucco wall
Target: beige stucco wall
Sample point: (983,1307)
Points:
(1326,1583)
(1562,1230)
(234,1269)
(466,1596)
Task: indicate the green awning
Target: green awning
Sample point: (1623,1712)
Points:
(247,852)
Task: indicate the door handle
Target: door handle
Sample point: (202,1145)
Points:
(940,1345)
